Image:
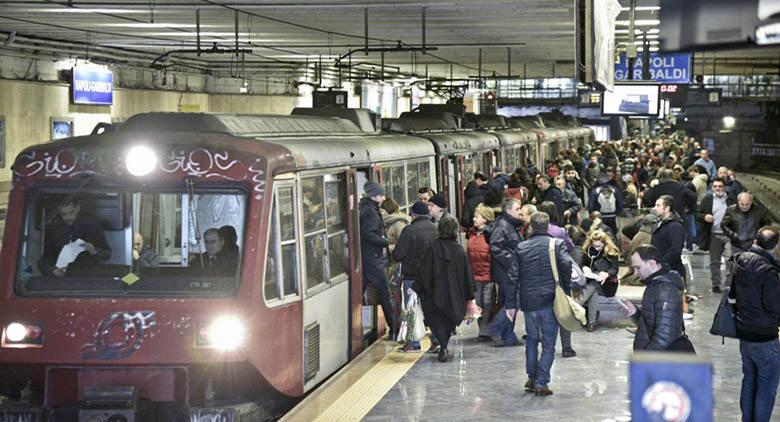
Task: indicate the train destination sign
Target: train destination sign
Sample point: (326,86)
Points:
(664,68)
(93,86)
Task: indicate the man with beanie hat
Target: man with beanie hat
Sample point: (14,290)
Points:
(373,246)
(437,207)
(415,239)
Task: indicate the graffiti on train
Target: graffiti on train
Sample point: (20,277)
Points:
(119,335)
(213,415)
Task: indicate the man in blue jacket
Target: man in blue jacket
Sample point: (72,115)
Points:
(531,286)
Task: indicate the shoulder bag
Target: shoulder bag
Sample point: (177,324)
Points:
(568,312)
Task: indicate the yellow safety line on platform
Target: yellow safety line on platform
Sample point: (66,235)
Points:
(363,395)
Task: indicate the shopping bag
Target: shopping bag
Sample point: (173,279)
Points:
(418,331)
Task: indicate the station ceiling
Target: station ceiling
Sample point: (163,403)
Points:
(535,38)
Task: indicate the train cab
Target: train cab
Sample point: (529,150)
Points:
(186,261)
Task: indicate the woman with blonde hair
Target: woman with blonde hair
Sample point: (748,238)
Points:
(479,255)
(600,263)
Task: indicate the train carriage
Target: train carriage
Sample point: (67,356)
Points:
(173,338)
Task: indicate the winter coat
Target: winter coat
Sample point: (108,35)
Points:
(595,205)
(415,239)
(479,255)
(394,224)
(756,286)
(503,235)
(571,202)
(684,198)
(554,195)
(373,242)
(560,233)
(598,261)
(668,237)
(735,222)
(660,320)
(703,228)
(531,283)
(700,185)
(500,182)
(445,279)
(473,196)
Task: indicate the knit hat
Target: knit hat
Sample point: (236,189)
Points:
(420,208)
(649,220)
(373,189)
(439,200)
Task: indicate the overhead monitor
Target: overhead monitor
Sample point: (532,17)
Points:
(635,99)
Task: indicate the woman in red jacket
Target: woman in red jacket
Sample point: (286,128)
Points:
(479,255)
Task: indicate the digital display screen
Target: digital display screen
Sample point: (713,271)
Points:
(631,100)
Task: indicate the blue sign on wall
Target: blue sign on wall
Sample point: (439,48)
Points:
(664,68)
(670,387)
(92,86)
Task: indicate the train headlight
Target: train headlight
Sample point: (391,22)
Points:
(225,333)
(22,335)
(141,160)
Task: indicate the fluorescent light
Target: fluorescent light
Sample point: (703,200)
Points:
(768,34)
(155,25)
(77,10)
(642,8)
(639,22)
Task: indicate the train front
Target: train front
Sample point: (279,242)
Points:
(129,283)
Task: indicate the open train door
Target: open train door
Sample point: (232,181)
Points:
(354,188)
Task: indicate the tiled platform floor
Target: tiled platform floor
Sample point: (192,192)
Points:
(485,383)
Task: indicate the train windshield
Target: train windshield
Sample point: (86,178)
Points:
(131,243)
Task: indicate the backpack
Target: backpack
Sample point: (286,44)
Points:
(607,201)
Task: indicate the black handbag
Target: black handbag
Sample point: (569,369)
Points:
(682,345)
(724,323)
(610,286)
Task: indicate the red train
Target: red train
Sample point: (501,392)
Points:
(203,266)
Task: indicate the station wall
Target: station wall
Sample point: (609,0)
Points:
(28,108)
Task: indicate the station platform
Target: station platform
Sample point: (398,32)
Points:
(482,382)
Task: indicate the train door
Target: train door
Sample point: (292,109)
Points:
(463,178)
(324,209)
(354,187)
(452,183)
(369,316)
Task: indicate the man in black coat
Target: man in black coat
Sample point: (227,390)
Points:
(531,287)
(71,227)
(550,193)
(711,237)
(415,239)
(217,261)
(742,221)
(473,195)
(668,236)
(373,247)
(684,198)
(659,320)
(756,288)
(503,236)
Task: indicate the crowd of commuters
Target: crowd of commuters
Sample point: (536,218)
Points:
(646,202)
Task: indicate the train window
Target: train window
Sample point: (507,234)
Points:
(397,186)
(131,243)
(412,181)
(336,198)
(468,167)
(324,243)
(313,211)
(281,264)
(425,174)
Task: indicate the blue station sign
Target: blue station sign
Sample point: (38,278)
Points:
(92,86)
(664,68)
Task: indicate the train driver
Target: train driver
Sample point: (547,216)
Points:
(84,238)
(217,260)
